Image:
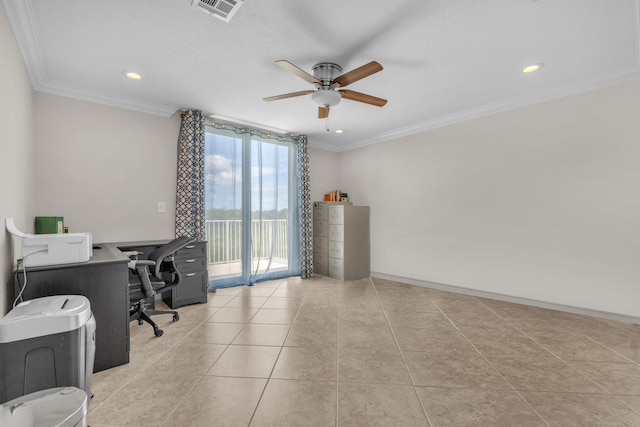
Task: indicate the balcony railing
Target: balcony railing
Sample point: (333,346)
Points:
(270,239)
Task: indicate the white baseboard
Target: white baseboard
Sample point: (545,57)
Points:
(509,298)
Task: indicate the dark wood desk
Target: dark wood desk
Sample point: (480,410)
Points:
(104,281)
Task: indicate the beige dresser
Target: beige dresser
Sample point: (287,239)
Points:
(341,240)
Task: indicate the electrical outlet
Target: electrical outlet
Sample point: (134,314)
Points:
(161,207)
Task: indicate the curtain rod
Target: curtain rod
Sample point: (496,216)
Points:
(239,123)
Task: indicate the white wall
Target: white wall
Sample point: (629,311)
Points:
(16,152)
(540,203)
(105,169)
(323,168)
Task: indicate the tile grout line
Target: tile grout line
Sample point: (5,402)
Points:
(201,376)
(614,396)
(551,352)
(570,327)
(167,349)
(266,384)
(404,362)
(131,379)
(491,364)
(343,310)
(337,421)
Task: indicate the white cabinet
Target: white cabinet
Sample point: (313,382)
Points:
(341,240)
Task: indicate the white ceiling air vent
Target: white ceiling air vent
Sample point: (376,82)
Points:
(222,9)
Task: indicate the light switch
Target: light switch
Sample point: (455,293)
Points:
(161,207)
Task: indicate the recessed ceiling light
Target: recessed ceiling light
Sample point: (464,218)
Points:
(532,68)
(132,75)
(339,131)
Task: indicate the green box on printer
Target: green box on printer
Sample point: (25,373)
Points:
(49,225)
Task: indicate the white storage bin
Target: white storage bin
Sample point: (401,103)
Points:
(55,407)
(46,343)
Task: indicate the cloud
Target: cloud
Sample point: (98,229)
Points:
(220,170)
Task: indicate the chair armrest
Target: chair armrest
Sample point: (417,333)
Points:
(134,263)
(169,249)
(142,270)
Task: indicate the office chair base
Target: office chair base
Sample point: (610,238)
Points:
(142,314)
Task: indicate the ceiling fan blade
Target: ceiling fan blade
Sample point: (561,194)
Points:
(288,95)
(323,112)
(297,71)
(357,74)
(362,97)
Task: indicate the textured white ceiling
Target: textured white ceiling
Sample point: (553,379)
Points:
(444,61)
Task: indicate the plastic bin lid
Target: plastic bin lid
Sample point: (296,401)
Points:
(55,407)
(45,316)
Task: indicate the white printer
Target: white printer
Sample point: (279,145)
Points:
(51,249)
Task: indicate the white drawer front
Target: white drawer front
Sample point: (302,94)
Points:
(320,244)
(336,214)
(321,264)
(336,250)
(320,258)
(336,233)
(319,210)
(320,228)
(336,268)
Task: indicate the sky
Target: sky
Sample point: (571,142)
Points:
(223,173)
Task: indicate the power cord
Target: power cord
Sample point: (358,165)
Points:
(24,285)
(24,275)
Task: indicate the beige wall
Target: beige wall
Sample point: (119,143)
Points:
(539,203)
(16,153)
(105,169)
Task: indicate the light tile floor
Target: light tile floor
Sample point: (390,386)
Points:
(321,352)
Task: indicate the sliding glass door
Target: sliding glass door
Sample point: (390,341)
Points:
(250,203)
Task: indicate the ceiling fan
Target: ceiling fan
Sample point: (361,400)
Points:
(327,81)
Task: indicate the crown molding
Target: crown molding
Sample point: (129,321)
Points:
(21,19)
(599,82)
(622,76)
(149,108)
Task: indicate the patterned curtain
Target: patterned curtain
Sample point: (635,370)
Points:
(304,207)
(190,188)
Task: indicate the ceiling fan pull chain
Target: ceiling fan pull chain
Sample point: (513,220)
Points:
(326,124)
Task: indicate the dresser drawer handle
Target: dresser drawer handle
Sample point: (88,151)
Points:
(189,260)
(190,274)
(190,246)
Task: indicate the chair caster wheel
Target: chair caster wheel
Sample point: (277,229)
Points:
(176,317)
(140,322)
(158,332)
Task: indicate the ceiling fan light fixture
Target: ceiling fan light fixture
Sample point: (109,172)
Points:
(326,97)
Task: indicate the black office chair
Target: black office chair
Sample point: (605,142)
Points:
(152,276)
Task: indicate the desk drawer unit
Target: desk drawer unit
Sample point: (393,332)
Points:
(191,262)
